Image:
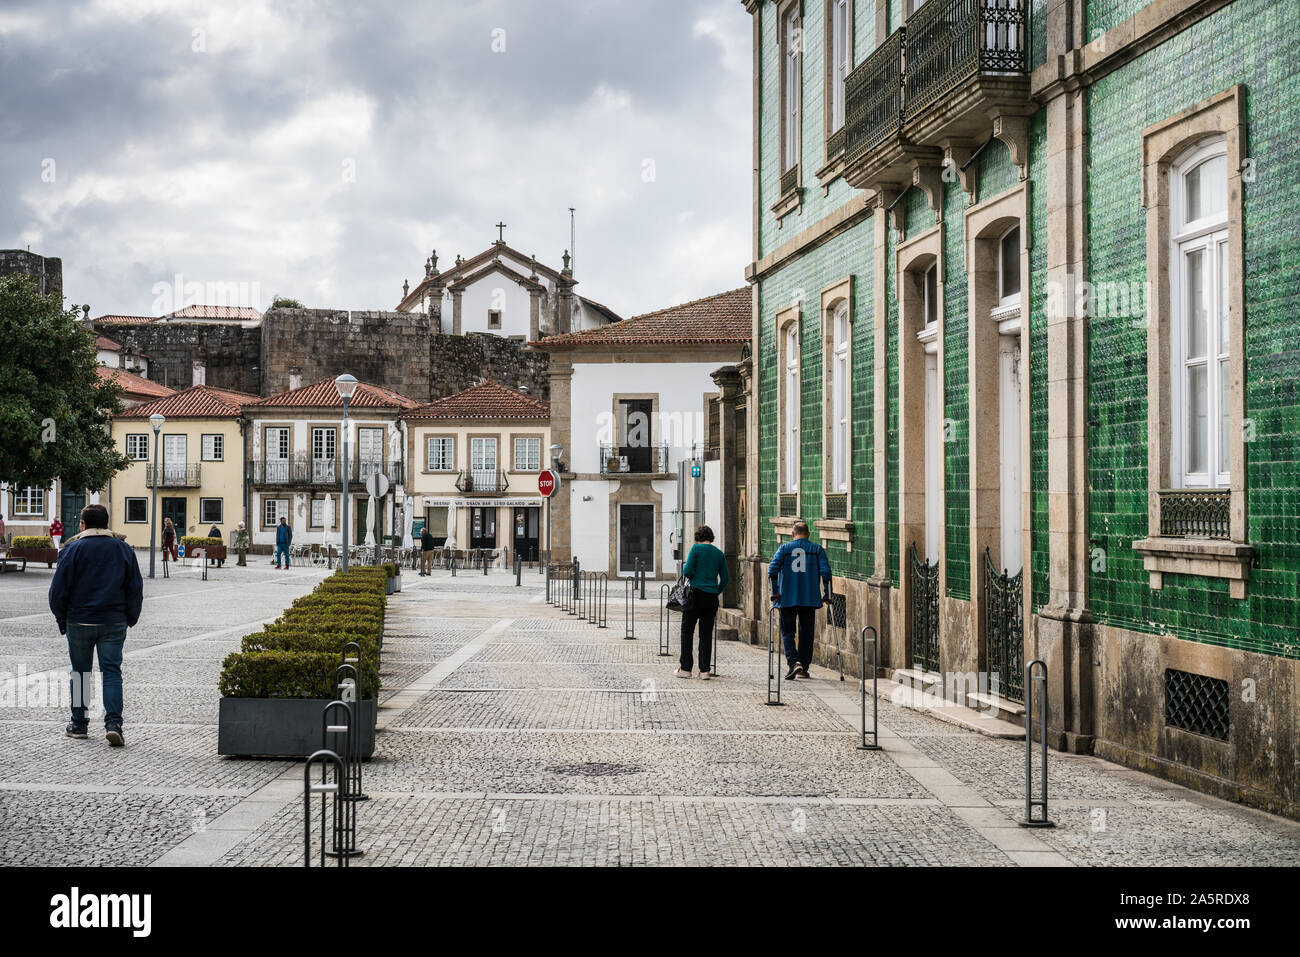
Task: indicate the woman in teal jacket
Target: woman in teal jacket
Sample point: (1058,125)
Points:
(706,570)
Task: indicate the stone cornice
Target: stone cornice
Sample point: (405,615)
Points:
(847,216)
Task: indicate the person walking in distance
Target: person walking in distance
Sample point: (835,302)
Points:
(427,546)
(169,539)
(706,570)
(96,595)
(243,542)
(794,574)
(283,539)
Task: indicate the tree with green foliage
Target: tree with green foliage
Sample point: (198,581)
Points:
(54,408)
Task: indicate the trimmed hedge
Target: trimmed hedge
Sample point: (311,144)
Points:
(200,541)
(298,655)
(32,541)
(288,674)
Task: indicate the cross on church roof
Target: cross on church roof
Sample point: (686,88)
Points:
(501,240)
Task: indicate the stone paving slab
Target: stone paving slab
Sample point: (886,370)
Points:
(480,675)
(424,831)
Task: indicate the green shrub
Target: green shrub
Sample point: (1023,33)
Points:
(32,541)
(200,541)
(289,674)
(289,640)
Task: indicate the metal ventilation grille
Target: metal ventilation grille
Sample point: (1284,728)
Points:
(1196,703)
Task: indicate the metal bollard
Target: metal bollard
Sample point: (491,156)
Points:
(348,690)
(575,607)
(771,630)
(166,573)
(665,622)
(345,825)
(1030,803)
(875,699)
(548,582)
(629,615)
(519,570)
(451,563)
(640,573)
(485,562)
(604,600)
(325,788)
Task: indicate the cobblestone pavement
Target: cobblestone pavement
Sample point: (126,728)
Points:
(512,733)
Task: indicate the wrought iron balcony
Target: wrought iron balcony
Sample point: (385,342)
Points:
(1195,513)
(362,469)
(482,481)
(951,41)
(307,472)
(633,459)
(790,179)
(873,95)
(175,475)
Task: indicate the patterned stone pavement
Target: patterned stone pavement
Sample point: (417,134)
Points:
(512,733)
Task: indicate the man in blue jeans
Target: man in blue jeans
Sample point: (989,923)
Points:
(95,596)
(794,573)
(283,539)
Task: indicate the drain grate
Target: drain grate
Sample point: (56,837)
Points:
(596,769)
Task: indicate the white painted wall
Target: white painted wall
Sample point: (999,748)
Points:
(495,291)
(590,522)
(713,501)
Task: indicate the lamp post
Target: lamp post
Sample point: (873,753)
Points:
(557,455)
(346,385)
(156,420)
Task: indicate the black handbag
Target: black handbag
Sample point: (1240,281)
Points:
(680,595)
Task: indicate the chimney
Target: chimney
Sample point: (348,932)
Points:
(295,378)
(200,372)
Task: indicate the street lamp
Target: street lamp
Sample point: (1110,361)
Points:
(156,420)
(346,385)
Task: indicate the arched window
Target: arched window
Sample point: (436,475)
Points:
(840,383)
(1199,282)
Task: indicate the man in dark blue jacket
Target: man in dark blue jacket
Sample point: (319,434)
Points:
(283,539)
(794,573)
(95,596)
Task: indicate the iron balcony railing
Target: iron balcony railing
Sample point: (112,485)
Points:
(949,41)
(175,475)
(633,459)
(1195,513)
(873,95)
(306,471)
(482,481)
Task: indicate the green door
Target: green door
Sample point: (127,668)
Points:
(173,508)
(70,514)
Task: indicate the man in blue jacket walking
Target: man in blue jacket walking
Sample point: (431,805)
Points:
(794,573)
(95,596)
(283,539)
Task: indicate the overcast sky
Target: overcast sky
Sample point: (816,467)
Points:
(320,150)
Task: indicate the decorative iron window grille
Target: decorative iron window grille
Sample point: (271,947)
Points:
(1196,703)
(787,505)
(837,505)
(1195,513)
(925,613)
(835,143)
(1004,629)
(790,179)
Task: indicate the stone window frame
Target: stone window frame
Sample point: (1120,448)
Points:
(838,530)
(986,225)
(1222,116)
(494,319)
(914,256)
(143,454)
(618,437)
(275,522)
(785,318)
(791,200)
(449,436)
(313,499)
(126,510)
(833,163)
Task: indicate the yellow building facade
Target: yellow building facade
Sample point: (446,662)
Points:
(199,471)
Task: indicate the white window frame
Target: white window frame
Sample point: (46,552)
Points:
(212,447)
(791,92)
(478,459)
(1009,302)
(842,62)
(221,511)
(370,430)
(1209,236)
(447,443)
(280,507)
(23,499)
(841,398)
(137,446)
(126,510)
(283,453)
(533,457)
(790,408)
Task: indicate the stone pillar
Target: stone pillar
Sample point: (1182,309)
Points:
(749,515)
(564,299)
(455,312)
(534,314)
(728,381)
(1063,638)
(561,373)
(433,307)
(890,653)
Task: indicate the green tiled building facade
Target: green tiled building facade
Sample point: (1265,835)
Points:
(1055,244)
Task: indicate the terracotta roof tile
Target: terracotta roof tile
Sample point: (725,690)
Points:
(199,402)
(215,312)
(106,344)
(134,384)
(323,395)
(488,400)
(722,319)
(119,320)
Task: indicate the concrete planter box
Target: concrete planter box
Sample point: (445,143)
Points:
(282,727)
(36,556)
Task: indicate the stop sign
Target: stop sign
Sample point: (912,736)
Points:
(547,482)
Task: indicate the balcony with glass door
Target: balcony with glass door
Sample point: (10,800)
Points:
(173,475)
